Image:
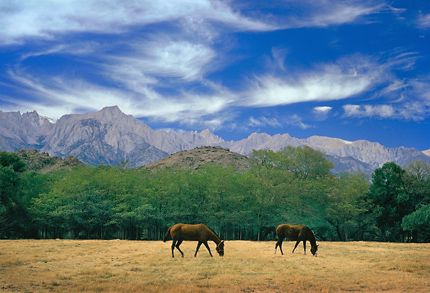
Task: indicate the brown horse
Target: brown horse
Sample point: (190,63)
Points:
(296,232)
(199,232)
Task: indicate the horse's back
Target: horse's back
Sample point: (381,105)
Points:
(301,230)
(189,232)
(293,232)
(284,230)
(281,228)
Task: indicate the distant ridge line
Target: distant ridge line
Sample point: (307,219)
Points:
(110,137)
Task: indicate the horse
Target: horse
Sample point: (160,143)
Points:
(296,232)
(199,232)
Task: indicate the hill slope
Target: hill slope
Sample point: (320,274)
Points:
(192,159)
(43,163)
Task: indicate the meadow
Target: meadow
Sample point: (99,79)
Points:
(138,266)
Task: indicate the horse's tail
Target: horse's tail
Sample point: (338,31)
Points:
(167,234)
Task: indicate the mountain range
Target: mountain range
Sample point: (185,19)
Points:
(111,137)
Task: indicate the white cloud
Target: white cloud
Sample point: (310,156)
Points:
(55,96)
(164,75)
(263,121)
(321,112)
(344,79)
(411,111)
(352,110)
(382,111)
(424,21)
(340,12)
(310,13)
(161,58)
(296,120)
(77,48)
(323,109)
(21,20)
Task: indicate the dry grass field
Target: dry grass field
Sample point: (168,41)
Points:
(147,266)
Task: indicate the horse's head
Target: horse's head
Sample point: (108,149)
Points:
(314,249)
(220,248)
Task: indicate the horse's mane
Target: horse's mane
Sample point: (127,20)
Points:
(213,231)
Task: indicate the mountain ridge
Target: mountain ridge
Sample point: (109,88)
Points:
(110,137)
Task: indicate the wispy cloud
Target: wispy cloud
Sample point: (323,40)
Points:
(53,97)
(297,121)
(308,13)
(161,58)
(22,20)
(263,121)
(327,82)
(165,74)
(339,12)
(78,48)
(382,111)
(424,21)
(413,110)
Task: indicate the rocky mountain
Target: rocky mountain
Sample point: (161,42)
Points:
(22,131)
(110,137)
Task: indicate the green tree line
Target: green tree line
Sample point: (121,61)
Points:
(294,185)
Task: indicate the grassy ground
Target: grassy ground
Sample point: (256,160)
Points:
(133,266)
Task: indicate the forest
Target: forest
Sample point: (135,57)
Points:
(294,185)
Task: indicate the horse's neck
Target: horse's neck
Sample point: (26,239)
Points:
(214,237)
(311,238)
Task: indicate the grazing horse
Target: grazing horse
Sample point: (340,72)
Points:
(199,232)
(296,232)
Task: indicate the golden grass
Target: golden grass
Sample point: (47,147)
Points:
(137,266)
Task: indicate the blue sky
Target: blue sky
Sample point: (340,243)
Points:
(346,69)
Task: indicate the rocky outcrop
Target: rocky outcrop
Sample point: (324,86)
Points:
(43,163)
(193,159)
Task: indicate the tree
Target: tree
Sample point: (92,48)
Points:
(12,161)
(389,200)
(32,184)
(11,208)
(345,203)
(419,221)
(263,158)
(304,162)
(418,186)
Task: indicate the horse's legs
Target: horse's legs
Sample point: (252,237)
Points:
(173,247)
(207,246)
(304,245)
(198,246)
(279,243)
(297,243)
(177,246)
